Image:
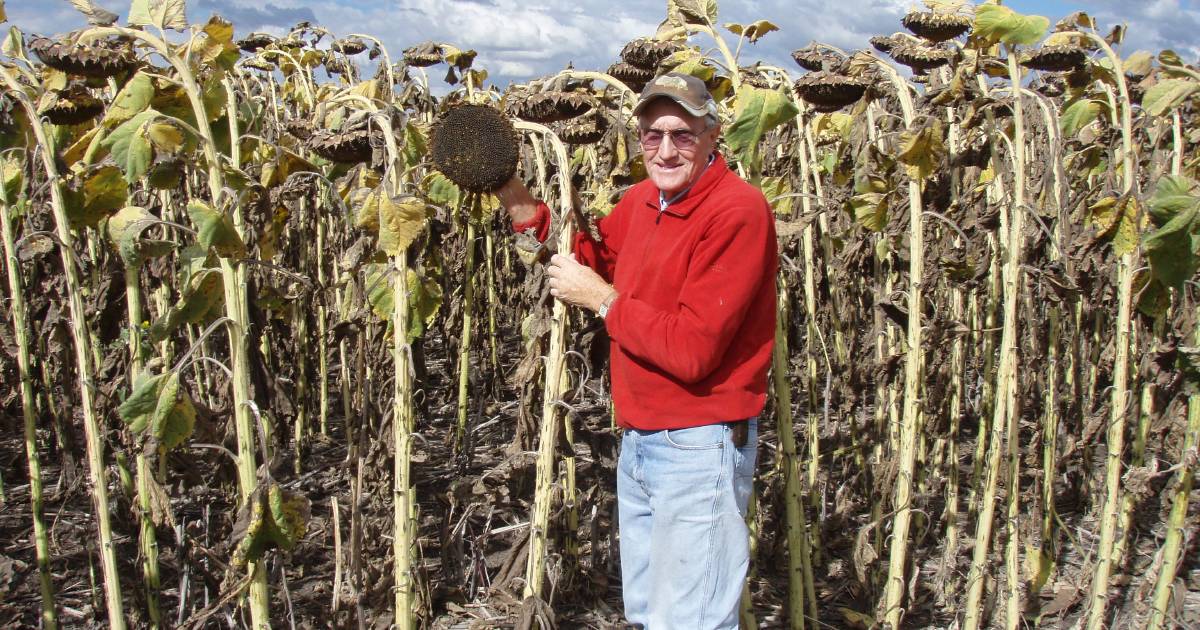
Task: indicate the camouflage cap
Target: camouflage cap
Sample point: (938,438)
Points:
(689,91)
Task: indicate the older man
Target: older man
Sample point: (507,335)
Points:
(684,277)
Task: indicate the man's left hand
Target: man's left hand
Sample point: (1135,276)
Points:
(577,284)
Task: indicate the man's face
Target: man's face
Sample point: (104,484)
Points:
(673,167)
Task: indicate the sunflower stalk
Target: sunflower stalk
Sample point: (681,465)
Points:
(83,345)
(19,315)
(556,384)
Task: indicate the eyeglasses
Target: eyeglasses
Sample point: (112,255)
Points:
(683,139)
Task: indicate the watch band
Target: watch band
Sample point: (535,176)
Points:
(606,304)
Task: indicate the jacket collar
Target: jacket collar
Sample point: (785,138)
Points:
(703,186)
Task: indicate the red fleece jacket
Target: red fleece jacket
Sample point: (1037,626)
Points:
(694,322)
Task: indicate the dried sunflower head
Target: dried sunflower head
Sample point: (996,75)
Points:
(935,26)
(71,106)
(552,106)
(97,59)
(301,129)
(634,77)
(423,55)
(647,53)
(884,44)
(350,46)
(584,130)
(1055,58)
(814,59)
(346,147)
(258,64)
(255,42)
(921,58)
(476,147)
(828,92)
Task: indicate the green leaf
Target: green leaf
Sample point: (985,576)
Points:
(401,219)
(217,47)
(694,11)
(102,193)
(1078,115)
(1116,220)
(125,231)
(995,23)
(870,210)
(290,512)
(773,188)
(424,301)
(756,111)
(132,100)
(138,409)
(165,135)
(1173,194)
(923,151)
(216,230)
(415,146)
(1172,249)
(1139,63)
(12,177)
(203,294)
(174,415)
(130,147)
(164,14)
(14,43)
(1167,95)
(441,191)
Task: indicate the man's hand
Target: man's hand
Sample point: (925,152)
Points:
(577,284)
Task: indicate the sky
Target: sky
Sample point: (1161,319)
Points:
(521,39)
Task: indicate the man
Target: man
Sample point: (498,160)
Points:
(684,277)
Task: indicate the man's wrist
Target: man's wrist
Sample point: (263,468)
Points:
(606,304)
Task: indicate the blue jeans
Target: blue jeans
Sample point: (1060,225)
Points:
(681,496)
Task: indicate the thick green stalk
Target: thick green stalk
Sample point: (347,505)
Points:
(403,425)
(1126,267)
(555,386)
(1177,521)
(911,419)
(322,332)
(493,300)
(464,345)
(147,537)
(85,374)
(796,525)
(1005,418)
(16,306)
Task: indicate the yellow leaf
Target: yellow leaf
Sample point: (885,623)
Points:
(401,219)
(165,136)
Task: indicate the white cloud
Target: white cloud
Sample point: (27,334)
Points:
(520,40)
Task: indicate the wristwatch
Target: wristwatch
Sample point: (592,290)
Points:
(606,304)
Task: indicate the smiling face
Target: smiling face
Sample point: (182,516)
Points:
(670,167)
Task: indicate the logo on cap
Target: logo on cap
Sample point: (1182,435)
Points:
(668,81)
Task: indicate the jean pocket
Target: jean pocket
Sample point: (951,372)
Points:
(708,437)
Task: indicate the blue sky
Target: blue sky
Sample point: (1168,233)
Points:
(521,39)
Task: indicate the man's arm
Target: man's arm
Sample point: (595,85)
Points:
(518,201)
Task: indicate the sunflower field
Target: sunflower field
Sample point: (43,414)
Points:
(273,357)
